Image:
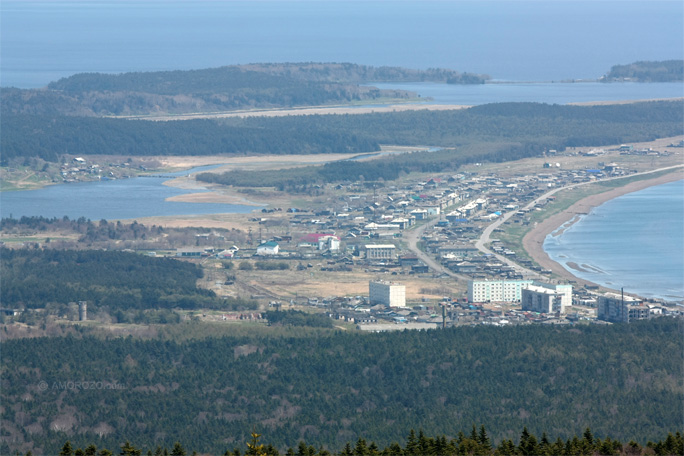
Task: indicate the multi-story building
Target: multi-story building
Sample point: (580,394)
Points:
(617,308)
(542,299)
(563,290)
(387,293)
(496,290)
(380,251)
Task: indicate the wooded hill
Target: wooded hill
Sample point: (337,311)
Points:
(219,89)
(116,283)
(662,71)
(507,126)
(624,381)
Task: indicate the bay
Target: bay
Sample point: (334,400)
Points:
(111,200)
(634,241)
(539,92)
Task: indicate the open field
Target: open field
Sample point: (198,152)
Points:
(313,282)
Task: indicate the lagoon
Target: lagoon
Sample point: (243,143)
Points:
(111,200)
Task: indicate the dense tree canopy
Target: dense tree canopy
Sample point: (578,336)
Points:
(529,126)
(661,71)
(494,133)
(623,381)
(226,88)
(115,281)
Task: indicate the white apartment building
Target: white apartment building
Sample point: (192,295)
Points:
(496,290)
(542,299)
(387,293)
(563,290)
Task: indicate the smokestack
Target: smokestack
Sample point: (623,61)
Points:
(82,311)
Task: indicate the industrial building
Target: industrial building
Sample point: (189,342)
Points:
(387,293)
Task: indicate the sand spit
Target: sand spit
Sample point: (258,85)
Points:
(306,111)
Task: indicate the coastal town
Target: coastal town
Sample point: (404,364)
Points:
(446,250)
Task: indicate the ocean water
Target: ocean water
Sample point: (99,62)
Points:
(635,241)
(41,41)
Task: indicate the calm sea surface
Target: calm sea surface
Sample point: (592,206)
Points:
(42,41)
(540,92)
(635,241)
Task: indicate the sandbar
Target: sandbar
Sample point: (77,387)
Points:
(305,111)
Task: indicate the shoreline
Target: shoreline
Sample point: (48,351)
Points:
(533,241)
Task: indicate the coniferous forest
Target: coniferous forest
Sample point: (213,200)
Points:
(476,442)
(330,387)
(115,282)
(506,127)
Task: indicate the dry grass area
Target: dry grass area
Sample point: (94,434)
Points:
(313,282)
(530,166)
(265,161)
(226,221)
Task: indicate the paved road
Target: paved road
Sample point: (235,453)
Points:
(413,236)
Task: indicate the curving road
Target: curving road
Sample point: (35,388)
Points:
(412,236)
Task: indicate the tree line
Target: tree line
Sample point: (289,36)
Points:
(82,233)
(477,442)
(49,138)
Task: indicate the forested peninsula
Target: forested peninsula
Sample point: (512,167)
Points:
(661,71)
(236,87)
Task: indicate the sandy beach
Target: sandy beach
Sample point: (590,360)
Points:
(533,242)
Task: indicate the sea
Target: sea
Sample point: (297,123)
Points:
(510,40)
(543,51)
(635,242)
